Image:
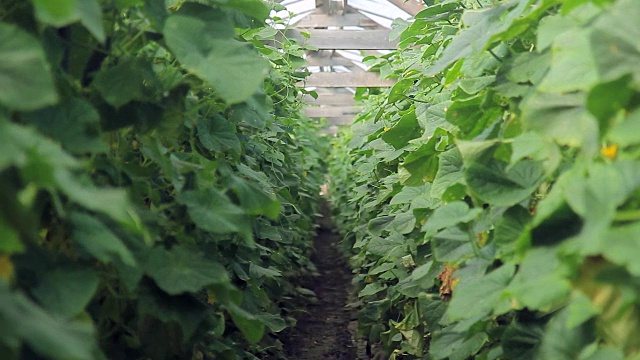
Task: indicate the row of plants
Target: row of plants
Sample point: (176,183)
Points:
(157,180)
(490,200)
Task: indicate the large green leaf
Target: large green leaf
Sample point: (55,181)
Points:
(257,9)
(24,71)
(218,134)
(126,81)
(540,269)
(562,117)
(9,239)
(614,40)
(448,215)
(182,309)
(48,335)
(66,291)
(211,210)
(392,246)
(470,116)
(253,199)
(494,184)
(480,296)
(73,122)
(407,128)
(56,13)
(449,172)
(573,66)
(452,245)
(96,239)
(202,38)
(183,269)
(563,343)
(64,12)
(458,341)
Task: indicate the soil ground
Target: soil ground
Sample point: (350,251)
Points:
(322,332)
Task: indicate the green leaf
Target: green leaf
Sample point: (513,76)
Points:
(90,14)
(449,215)
(560,342)
(540,269)
(111,202)
(399,90)
(66,291)
(274,322)
(422,163)
(562,117)
(404,223)
(181,270)
(458,341)
(496,185)
(96,239)
(48,335)
(627,132)
(24,70)
(253,199)
(124,82)
(386,247)
(9,240)
(509,228)
(73,122)
(521,339)
(56,12)
(573,66)
(621,245)
(468,116)
(218,134)
(254,111)
(580,309)
(406,129)
(614,41)
(379,224)
(257,9)
(202,39)
(527,67)
(452,245)
(480,296)
(181,309)
(212,211)
(372,289)
(449,172)
(407,195)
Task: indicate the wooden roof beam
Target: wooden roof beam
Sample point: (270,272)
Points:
(346,39)
(410,6)
(346,79)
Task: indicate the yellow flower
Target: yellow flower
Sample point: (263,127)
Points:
(6,268)
(609,151)
(211,298)
(386,128)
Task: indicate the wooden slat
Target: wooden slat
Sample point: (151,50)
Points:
(330,99)
(343,120)
(347,79)
(324,20)
(346,39)
(335,60)
(331,111)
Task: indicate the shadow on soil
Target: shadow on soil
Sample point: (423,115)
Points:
(323,331)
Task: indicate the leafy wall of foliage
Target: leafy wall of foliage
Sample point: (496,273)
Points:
(491,198)
(157,180)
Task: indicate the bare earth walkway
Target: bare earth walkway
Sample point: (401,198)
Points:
(322,333)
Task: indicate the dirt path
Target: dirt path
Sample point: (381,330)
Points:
(322,332)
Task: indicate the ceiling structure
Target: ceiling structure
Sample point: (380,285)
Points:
(344,31)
